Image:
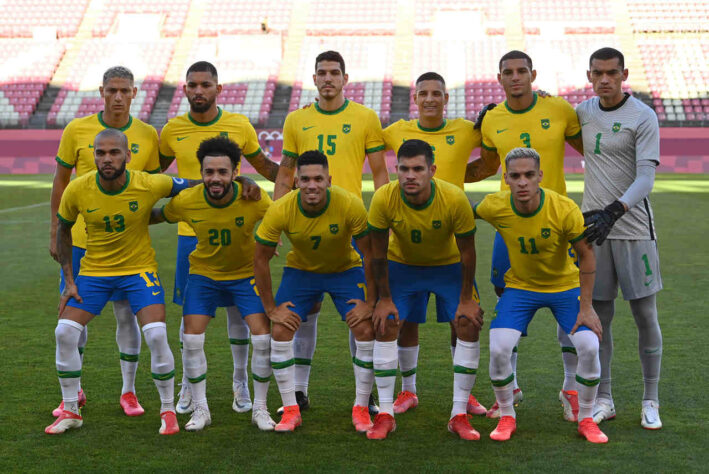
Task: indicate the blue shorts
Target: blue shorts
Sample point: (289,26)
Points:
(185,245)
(500,261)
(304,289)
(77,253)
(141,290)
(411,285)
(204,295)
(516,308)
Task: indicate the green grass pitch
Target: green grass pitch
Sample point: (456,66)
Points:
(109,441)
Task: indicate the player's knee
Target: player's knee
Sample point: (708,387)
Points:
(281,333)
(67,333)
(364,331)
(586,343)
(466,330)
(261,343)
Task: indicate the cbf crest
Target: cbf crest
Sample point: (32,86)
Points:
(450,139)
(546,232)
(346,127)
(334,228)
(239,221)
(436,224)
(616,127)
(545,123)
(133,206)
(134,148)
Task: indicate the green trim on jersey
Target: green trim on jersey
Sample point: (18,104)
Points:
(265,242)
(468,234)
(574,136)
(424,129)
(375,149)
(66,221)
(320,212)
(421,206)
(113,193)
(155,171)
(165,156)
(162,211)
(122,129)
(166,376)
(63,163)
(361,234)
(534,102)
(251,155)
(541,203)
(289,154)
(488,148)
(235,189)
(376,229)
(576,239)
(327,112)
(206,124)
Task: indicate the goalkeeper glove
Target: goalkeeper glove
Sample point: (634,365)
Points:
(600,221)
(481,116)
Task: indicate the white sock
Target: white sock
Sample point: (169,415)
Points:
(385,362)
(82,346)
(283,364)
(408,362)
(185,382)
(68,362)
(569,357)
(303,349)
(238,332)
(465,367)
(513,363)
(194,364)
(502,342)
(588,372)
(162,364)
(129,341)
(261,368)
(452,352)
(364,372)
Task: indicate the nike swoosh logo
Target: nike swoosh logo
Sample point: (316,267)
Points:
(155,293)
(92,210)
(503,130)
(584,124)
(197,220)
(503,226)
(308,128)
(179,139)
(91,146)
(647,283)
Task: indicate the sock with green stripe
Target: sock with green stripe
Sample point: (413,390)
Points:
(283,364)
(303,349)
(385,363)
(502,343)
(569,357)
(68,362)
(194,363)
(238,332)
(408,361)
(465,366)
(82,346)
(261,368)
(513,362)
(162,364)
(364,371)
(588,372)
(128,340)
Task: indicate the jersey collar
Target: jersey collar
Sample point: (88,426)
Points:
(113,193)
(332,112)
(541,203)
(320,212)
(423,206)
(235,186)
(105,125)
(620,104)
(531,106)
(424,129)
(206,124)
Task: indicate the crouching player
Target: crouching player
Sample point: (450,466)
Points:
(537,226)
(221,271)
(431,250)
(115,204)
(320,220)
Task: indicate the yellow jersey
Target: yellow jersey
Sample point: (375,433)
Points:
(537,243)
(225,234)
(545,125)
(181,136)
(425,234)
(76,150)
(322,242)
(452,143)
(345,135)
(116,222)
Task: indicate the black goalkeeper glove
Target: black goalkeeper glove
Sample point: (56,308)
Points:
(481,115)
(599,222)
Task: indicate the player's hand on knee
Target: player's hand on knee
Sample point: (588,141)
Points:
(471,311)
(385,307)
(70,291)
(361,312)
(281,314)
(588,317)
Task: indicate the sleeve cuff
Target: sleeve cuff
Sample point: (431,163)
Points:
(63,163)
(372,228)
(488,148)
(576,239)
(162,211)
(375,149)
(166,157)
(574,136)
(467,234)
(251,155)
(66,221)
(265,242)
(361,234)
(289,154)
(155,171)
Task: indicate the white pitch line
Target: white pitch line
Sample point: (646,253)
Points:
(20,208)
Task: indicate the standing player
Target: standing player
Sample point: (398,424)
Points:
(431,249)
(76,151)
(221,271)
(321,221)
(622,149)
(545,124)
(116,205)
(179,140)
(346,132)
(537,225)
(452,141)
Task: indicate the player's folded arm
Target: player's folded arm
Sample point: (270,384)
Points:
(165,161)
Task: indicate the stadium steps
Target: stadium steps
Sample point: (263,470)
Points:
(400,97)
(190,32)
(279,109)
(403,52)
(158,117)
(39,118)
(294,43)
(514,34)
(633,58)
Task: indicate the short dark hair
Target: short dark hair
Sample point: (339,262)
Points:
(413,148)
(120,72)
(313,157)
(219,146)
(431,76)
(522,152)
(607,53)
(330,56)
(514,54)
(114,133)
(203,66)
